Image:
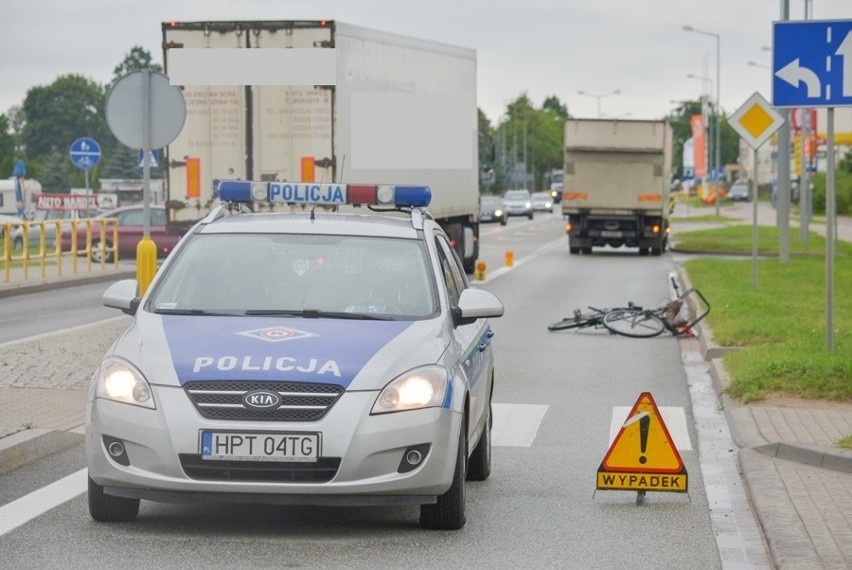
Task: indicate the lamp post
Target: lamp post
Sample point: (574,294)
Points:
(599,97)
(718,100)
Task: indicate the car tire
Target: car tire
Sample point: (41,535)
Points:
(96,251)
(479,465)
(503,222)
(448,512)
(107,508)
(531,216)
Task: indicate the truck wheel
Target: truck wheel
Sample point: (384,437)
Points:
(643,251)
(574,250)
(656,251)
(587,250)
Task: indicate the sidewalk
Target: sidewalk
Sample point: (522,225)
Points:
(799,484)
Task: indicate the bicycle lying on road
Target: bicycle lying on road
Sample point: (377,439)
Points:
(638,322)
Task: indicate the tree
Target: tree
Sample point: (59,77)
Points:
(58,114)
(56,173)
(553,104)
(137,58)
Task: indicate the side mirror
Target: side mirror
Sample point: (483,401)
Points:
(123,295)
(476,304)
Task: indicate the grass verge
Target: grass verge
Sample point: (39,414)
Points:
(781,325)
(845,442)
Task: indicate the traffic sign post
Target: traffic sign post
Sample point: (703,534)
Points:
(812,67)
(144,111)
(85,154)
(755,121)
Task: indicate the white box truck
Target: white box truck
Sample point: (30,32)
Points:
(616,184)
(267,129)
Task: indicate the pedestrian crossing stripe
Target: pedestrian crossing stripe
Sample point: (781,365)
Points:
(643,456)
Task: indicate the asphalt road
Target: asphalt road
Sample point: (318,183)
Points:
(538,509)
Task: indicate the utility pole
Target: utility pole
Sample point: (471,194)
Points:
(782,193)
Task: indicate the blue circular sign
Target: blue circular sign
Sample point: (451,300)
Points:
(85,153)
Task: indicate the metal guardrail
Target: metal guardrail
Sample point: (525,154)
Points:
(19,260)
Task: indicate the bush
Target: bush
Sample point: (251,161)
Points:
(842,189)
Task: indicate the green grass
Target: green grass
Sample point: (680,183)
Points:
(712,218)
(845,442)
(780,326)
(738,239)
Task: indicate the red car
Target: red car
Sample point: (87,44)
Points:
(130,230)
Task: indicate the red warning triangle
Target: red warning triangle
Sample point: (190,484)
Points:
(643,444)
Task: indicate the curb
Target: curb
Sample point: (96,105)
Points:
(27,446)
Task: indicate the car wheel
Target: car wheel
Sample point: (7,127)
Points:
(107,508)
(96,251)
(448,512)
(503,222)
(479,466)
(531,216)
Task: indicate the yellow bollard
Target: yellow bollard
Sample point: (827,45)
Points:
(146,263)
(510,258)
(480,271)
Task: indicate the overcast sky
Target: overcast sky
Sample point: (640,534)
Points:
(541,47)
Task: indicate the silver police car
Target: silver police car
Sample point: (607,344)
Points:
(299,357)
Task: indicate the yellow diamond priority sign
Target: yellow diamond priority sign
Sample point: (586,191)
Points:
(755,121)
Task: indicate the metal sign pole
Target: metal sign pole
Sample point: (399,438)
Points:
(829,234)
(754,222)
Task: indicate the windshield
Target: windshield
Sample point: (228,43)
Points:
(517,195)
(299,275)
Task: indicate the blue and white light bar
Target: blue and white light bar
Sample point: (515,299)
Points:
(247,191)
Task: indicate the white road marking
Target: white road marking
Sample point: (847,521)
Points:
(492,275)
(516,425)
(673,416)
(28,507)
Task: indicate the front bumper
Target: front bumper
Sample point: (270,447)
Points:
(362,452)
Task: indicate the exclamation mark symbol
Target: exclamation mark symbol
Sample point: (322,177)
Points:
(644,424)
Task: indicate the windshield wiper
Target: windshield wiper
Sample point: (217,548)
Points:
(193,312)
(316,314)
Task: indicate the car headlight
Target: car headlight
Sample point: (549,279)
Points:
(424,387)
(120,381)
(498,212)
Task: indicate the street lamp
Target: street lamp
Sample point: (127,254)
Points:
(718,99)
(599,97)
(760,65)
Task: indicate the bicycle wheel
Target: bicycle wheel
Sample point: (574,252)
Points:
(633,322)
(577,321)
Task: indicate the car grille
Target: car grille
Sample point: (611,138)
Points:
(322,471)
(300,402)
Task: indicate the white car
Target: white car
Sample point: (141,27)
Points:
(518,203)
(298,358)
(44,222)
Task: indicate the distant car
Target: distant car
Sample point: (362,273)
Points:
(130,231)
(542,202)
(739,192)
(49,217)
(491,210)
(518,203)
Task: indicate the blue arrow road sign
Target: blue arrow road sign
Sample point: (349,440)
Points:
(85,153)
(812,63)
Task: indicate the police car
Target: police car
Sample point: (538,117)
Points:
(299,357)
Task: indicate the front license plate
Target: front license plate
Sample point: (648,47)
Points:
(607,233)
(247,446)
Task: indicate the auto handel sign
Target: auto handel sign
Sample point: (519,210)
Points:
(66,202)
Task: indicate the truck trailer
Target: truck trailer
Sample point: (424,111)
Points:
(616,184)
(272,130)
